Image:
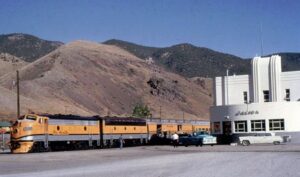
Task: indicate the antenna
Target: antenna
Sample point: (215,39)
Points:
(261,40)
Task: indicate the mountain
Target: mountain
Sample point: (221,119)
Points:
(184,59)
(140,51)
(188,60)
(26,47)
(290,61)
(89,78)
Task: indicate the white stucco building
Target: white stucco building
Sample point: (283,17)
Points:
(268,100)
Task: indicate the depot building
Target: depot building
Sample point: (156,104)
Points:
(268,100)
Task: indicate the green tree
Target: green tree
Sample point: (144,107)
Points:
(141,111)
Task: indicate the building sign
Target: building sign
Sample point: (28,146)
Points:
(245,113)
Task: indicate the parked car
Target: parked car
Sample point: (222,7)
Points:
(198,139)
(260,138)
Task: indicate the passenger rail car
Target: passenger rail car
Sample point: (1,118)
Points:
(39,133)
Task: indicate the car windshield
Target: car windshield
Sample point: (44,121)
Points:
(202,133)
(181,135)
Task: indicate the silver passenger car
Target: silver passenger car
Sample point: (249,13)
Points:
(260,138)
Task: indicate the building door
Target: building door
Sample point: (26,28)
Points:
(179,127)
(226,127)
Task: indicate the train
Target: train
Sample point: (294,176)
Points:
(46,132)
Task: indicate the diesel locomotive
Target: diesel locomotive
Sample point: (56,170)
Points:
(40,133)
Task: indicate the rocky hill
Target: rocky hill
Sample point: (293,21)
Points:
(88,78)
(26,47)
(188,60)
(184,59)
(191,61)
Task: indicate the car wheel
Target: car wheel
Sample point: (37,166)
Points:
(245,143)
(211,145)
(186,145)
(276,142)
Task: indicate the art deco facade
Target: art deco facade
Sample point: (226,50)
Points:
(268,100)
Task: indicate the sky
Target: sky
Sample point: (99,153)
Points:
(237,27)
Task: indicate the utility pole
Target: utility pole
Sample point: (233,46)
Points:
(182,116)
(18,95)
(160,113)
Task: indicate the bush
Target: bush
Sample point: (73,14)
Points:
(141,111)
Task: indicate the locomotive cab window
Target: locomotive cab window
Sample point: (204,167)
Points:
(29,117)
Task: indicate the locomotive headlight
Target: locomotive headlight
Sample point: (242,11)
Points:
(27,128)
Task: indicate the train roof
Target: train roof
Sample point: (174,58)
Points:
(107,119)
(120,120)
(69,117)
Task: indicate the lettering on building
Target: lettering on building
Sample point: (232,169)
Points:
(244,113)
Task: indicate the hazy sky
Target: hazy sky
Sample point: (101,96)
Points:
(227,26)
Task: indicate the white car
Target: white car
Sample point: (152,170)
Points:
(260,138)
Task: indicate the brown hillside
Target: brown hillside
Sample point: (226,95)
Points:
(88,78)
(10,63)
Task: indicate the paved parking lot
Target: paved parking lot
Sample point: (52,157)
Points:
(160,161)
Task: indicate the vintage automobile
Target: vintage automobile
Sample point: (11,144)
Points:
(260,138)
(198,139)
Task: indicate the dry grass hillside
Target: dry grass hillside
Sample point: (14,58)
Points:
(88,78)
(9,63)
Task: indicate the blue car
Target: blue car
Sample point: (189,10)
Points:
(198,139)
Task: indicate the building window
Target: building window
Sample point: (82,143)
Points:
(240,126)
(276,124)
(217,127)
(258,125)
(245,94)
(287,95)
(266,96)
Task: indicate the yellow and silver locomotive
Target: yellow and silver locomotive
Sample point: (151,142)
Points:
(40,133)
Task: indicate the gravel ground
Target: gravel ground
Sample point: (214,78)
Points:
(159,161)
